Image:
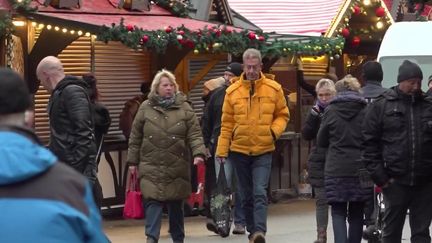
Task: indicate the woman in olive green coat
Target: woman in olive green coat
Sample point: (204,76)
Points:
(164,130)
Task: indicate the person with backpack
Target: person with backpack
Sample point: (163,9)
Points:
(72,137)
(102,121)
(130,109)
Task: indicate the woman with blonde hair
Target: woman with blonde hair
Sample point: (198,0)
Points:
(325,90)
(340,133)
(162,129)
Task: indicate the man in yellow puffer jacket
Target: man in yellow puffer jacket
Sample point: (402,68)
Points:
(254,115)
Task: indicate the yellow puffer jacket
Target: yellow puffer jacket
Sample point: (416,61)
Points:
(252,122)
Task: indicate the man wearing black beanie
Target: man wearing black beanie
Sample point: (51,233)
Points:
(397,133)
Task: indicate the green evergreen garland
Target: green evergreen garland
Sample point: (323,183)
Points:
(219,39)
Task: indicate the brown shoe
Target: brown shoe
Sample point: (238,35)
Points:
(257,237)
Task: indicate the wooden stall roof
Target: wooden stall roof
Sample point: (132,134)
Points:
(106,12)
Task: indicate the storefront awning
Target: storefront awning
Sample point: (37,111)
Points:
(311,17)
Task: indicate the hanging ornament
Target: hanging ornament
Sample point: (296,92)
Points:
(331,58)
(144,39)
(337,56)
(179,37)
(168,29)
(190,44)
(180,32)
(357,10)
(218,32)
(261,38)
(380,12)
(196,52)
(129,27)
(355,41)
(345,32)
(252,36)
(217,45)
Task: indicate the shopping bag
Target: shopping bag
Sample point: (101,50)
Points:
(196,199)
(133,208)
(220,204)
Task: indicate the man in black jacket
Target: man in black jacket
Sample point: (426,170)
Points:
(72,137)
(397,132)
(372,74)
(211,126)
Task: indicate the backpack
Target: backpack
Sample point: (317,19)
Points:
(128,114)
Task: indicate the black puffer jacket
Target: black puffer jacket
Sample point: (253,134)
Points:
(316,158)
(340,132)
(398,138)
(72,137)
(211,123)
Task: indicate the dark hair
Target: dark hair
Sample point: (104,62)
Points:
(372,70)
(145,87)
(90,79)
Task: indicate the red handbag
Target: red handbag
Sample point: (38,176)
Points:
(133,208)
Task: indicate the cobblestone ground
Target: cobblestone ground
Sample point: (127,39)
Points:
(292,221)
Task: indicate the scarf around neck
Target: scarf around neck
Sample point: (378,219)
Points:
(165,102)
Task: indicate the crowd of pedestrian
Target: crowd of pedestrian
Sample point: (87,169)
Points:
(362,137)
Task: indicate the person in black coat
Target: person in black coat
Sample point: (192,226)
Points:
(372,74)
(340,133)
(72,136)
(102,121)
(397,133)
(211,127)
(325,90)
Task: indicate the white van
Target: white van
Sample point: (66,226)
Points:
(406,40)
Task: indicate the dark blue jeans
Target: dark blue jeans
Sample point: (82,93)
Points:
(253,174)
(153,219)
(354,212)
(239,216)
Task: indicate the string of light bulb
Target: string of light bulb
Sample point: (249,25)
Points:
(61,29)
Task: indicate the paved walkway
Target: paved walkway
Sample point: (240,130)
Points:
(288,222)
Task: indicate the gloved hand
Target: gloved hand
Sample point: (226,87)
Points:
(316,111)
(220,160)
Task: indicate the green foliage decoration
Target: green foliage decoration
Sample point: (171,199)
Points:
(217,39)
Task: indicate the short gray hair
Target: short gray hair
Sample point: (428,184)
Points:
(251,53)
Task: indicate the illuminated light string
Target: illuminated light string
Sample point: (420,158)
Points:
(63,30)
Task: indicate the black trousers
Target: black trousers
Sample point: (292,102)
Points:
(210,183)
(398,199)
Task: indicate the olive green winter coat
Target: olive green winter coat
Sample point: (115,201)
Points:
(158,143)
